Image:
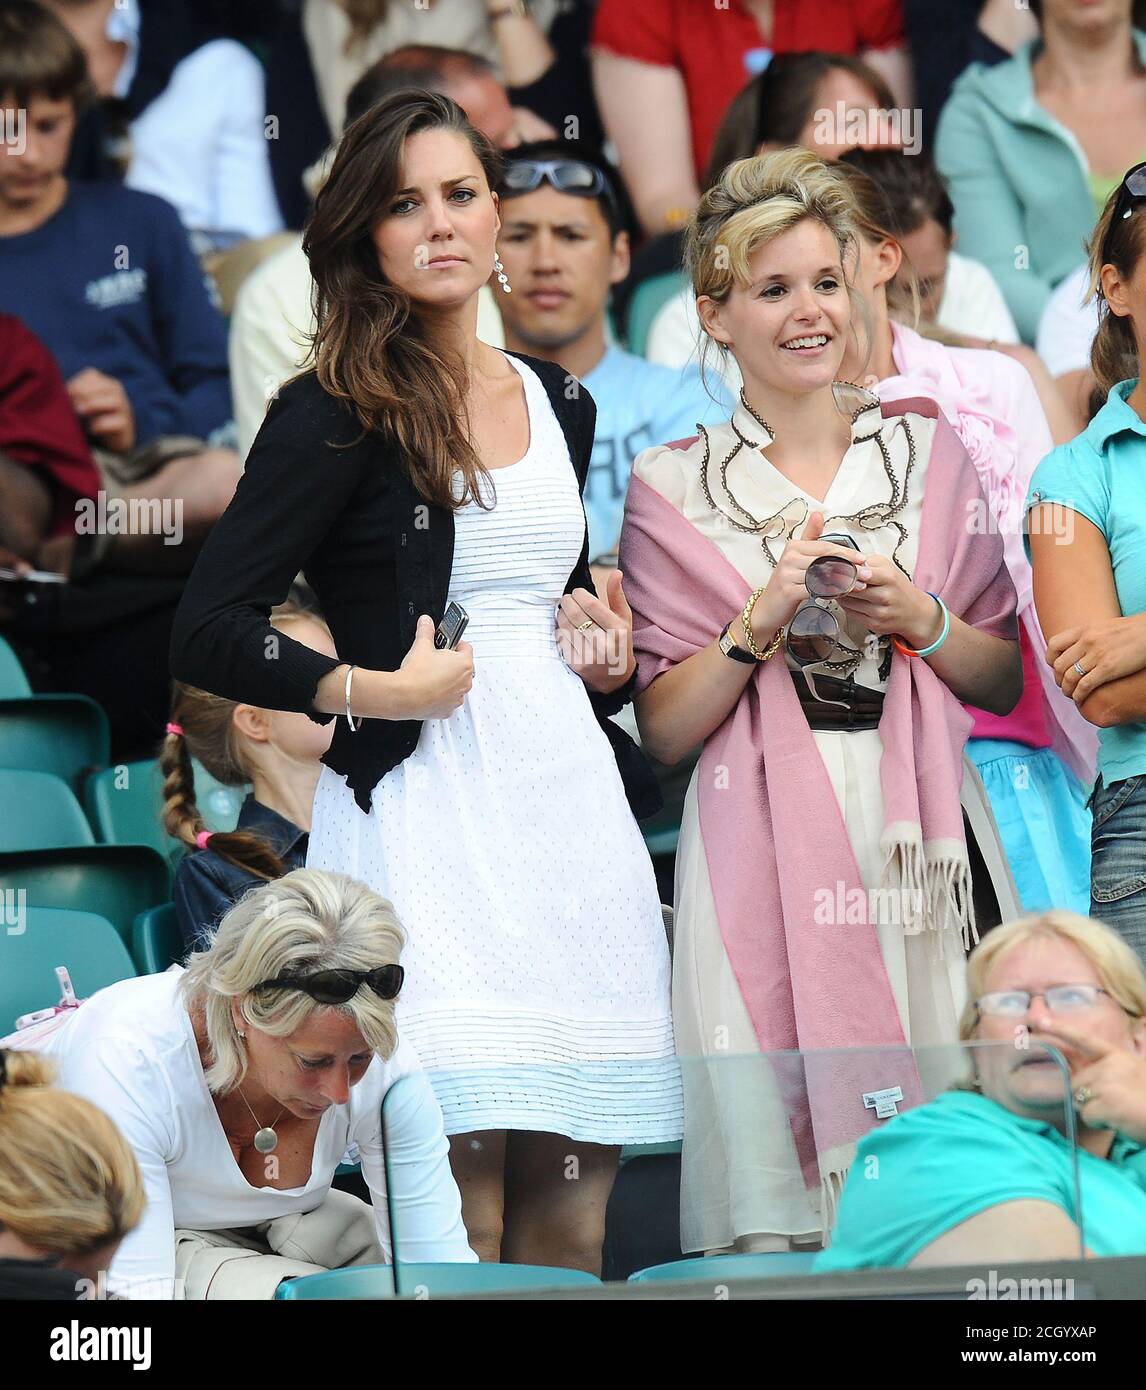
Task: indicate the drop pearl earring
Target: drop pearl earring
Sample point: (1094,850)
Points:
(502,277)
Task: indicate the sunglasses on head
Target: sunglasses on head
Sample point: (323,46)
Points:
(1131,194)
(566,175)
(337,986)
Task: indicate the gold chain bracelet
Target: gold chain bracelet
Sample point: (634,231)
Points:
(749,640)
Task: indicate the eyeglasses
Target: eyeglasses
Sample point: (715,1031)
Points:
(1059,999)
(566,175)
(814,636)
(337,986)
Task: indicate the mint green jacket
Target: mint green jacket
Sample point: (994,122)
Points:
(1018,179)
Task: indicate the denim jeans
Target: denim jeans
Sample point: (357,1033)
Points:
(1118,859)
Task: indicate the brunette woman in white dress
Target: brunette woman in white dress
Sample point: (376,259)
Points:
(486,792)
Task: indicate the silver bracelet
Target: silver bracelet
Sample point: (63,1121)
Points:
(349,717)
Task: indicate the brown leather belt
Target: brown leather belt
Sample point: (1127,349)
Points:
(864,705)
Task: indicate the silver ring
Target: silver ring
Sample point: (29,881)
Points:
(1078,668)
(1082,1095)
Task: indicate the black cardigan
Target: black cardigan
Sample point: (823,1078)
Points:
(377,556)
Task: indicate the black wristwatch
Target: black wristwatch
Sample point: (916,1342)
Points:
(729,647)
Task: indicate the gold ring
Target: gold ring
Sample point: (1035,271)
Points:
(586,625)
(1082,1095)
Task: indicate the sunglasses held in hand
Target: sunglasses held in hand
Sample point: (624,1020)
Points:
(814,635)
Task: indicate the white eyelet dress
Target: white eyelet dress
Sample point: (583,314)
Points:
(537,989)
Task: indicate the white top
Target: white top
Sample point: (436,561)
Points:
(270,328)
(1068,324)
(202,144)
(460,24)
(131,1049)
(972,305)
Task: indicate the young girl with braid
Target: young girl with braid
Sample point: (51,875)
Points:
(277,752)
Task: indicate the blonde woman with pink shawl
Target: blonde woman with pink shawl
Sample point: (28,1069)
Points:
(824,892)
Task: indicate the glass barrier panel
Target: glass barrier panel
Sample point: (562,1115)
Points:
(865,1158)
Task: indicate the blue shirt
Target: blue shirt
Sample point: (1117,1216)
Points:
(639,404)
(207,886)
(1100,475)
(936,1166)
(110,281)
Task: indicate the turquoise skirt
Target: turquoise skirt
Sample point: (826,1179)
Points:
(1041,811)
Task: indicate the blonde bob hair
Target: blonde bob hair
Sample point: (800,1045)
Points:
(308,920)
(754,201)
(1118,968)
(69,1182)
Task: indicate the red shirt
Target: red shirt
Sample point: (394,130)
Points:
(38,426)
(718,50)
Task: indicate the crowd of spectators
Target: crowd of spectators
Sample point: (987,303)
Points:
(159,166)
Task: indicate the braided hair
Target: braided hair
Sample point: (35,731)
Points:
(203,727)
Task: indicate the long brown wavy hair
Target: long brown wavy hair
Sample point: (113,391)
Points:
(1120,242)
(369,346)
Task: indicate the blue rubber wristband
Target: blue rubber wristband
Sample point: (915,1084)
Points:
(934,647)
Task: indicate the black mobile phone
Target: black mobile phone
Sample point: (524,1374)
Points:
(450,629)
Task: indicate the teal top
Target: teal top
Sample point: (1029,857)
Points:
(928,1170)
(1101,475)
(1019,180)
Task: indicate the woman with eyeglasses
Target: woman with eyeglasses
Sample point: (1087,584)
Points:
(417,475)
(241,1082)
(804,607)
(1086,536)
(985,1173)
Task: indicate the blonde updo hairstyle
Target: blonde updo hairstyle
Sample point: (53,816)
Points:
(753,202)
(306,921)
(1118,968)
(69,1181)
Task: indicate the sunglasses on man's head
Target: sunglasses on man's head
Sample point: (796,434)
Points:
(337,986)
(566,175)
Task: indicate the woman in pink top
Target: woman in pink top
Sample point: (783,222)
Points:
(1038,761)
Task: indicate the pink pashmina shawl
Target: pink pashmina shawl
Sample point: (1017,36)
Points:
(992,403)
(771,826)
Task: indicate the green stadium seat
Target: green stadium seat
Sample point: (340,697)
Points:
(377,1281)
(125,804)
(648,299)
(38,811)
(66,735)
(13,682)
(117,881)
(722,1268)
(87,944)
(156,941)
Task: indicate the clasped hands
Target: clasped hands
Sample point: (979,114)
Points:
(884,599)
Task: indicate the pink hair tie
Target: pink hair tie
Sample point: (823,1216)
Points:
(202,838)
(176,729)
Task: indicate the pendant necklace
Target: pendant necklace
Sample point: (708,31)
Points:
(266,1140)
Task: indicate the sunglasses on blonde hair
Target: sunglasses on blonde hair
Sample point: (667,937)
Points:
(337,986)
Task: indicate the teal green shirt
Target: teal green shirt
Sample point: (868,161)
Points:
(1019,180)
(1101,475)
(930,1169)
